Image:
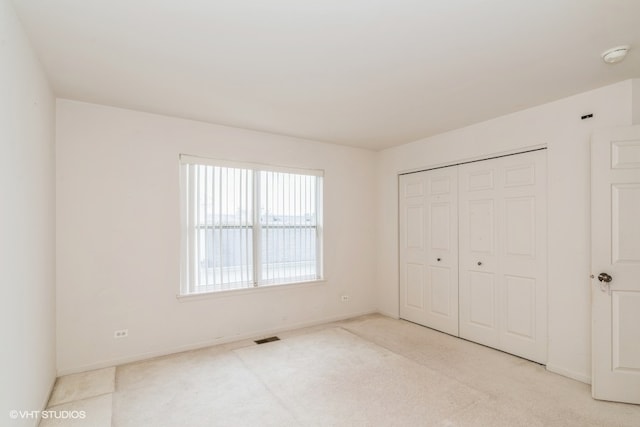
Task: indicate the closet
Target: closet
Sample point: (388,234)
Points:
(473,251)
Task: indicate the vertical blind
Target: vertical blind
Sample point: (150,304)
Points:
(246,226)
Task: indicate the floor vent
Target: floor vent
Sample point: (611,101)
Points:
(266,340)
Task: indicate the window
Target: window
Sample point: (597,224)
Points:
(246,225)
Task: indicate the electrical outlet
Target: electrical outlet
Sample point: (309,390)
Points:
(122,333)
(345,298)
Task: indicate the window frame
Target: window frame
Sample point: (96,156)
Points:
(189,287)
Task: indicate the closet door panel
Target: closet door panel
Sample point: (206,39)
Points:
(478,222)
(429,244)
(523,323)
(441,286)
(412,193)
(520,306)
(481,307)
(414,296)
(503,236)
(481,227)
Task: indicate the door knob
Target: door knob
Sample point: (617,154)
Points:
(604,277)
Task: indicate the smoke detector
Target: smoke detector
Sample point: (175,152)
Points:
(615,54)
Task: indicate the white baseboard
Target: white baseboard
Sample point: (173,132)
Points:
(584,378)
(223,340)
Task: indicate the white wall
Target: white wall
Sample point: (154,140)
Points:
(119,234)
(27,258)
(557,125)
(636,101)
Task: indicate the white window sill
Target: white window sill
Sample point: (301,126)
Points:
(238,292)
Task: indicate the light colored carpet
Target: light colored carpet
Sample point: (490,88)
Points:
(336,378)
(74,387)
(325,378)
(92,411)
(202,389)
(518,392)
(368,371)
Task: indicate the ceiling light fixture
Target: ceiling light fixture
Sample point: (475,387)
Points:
(615,54)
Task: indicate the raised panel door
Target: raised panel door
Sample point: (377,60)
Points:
(503,254)
(615,252)
(429,249)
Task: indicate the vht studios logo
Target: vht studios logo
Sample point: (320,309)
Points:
(59,415)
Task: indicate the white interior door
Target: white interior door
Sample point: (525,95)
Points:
(503,283)
(429,249)
(615,263)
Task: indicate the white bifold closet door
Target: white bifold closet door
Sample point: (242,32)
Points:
(503,253)
(473,252)
(429,249)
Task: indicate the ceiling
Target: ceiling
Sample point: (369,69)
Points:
(365,73)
